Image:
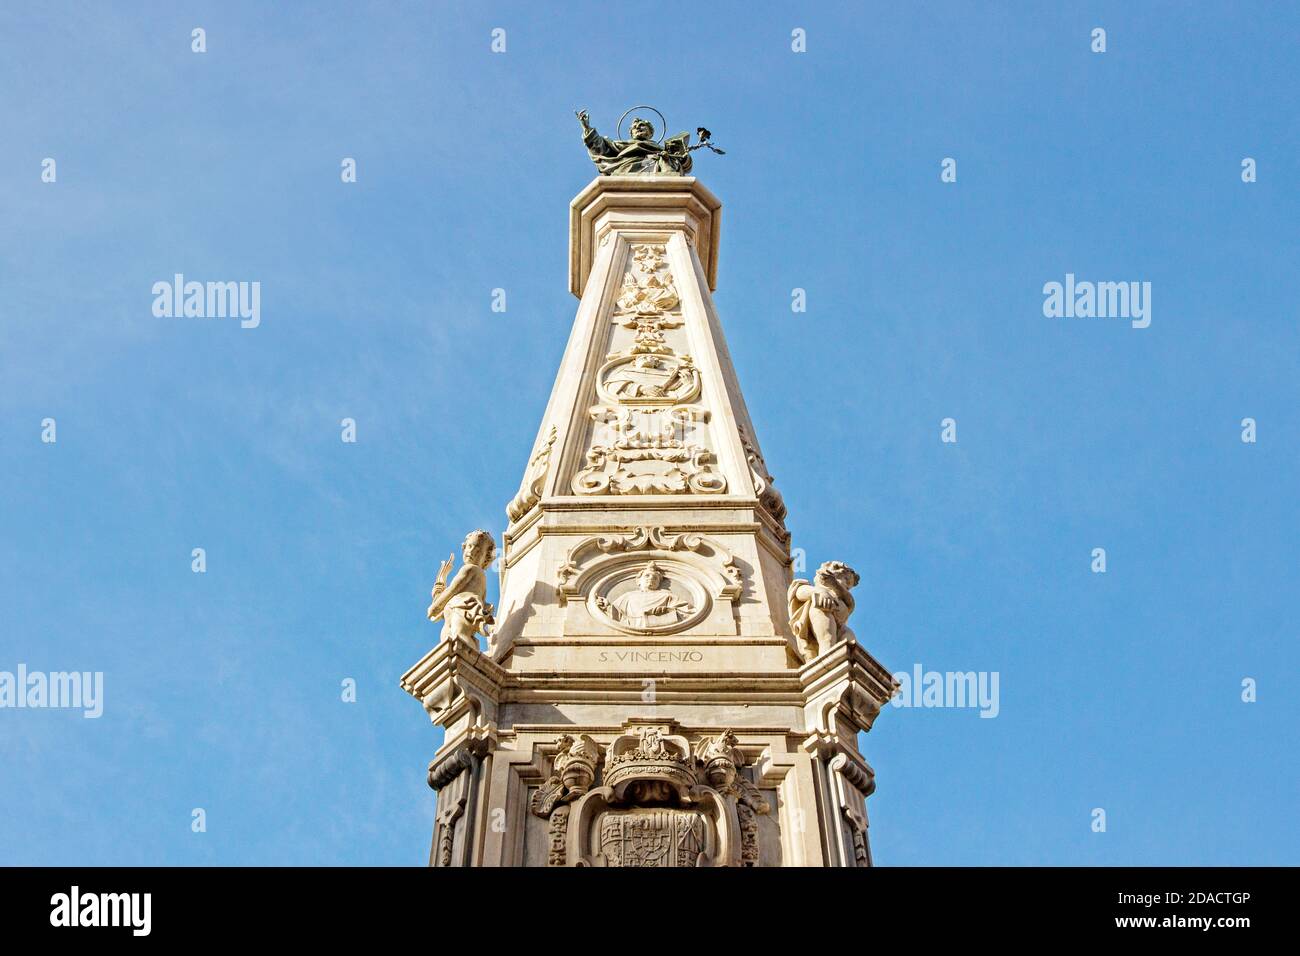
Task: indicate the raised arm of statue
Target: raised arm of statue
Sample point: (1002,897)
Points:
(641,153)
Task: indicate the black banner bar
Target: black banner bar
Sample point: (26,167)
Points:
(407,905)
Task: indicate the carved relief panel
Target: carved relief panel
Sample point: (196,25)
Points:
(648,581)
(658,803)
(647,438)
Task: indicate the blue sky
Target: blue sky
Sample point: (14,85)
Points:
(222,690)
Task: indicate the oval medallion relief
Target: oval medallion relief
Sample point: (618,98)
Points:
(652,597)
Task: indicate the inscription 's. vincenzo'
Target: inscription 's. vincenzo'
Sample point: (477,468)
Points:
(651,657)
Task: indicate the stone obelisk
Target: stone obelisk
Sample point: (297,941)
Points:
(656,687)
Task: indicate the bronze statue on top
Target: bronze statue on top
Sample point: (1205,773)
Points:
(642,154)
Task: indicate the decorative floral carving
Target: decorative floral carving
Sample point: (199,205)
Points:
(573,772)
(659,803)
(648,286)
(557,830)
(721,763)
(648,755)
(650,452)
(646,441)
(649,338)
(720,567)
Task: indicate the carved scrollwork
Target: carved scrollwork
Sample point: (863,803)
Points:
(722,578)
(648,440)
(659,762)
(764,488)
(721,764)
(648,286)
(648,451)
(573,772)
(534,480)
(646,379)
(660,802)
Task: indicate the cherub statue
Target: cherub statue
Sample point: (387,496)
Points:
(641,154)
(818,611)
(462,604)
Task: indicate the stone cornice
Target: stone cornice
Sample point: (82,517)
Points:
(848,660)
(642,203)
(844,690)
(453,680)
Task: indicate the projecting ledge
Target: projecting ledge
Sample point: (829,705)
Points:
(652,203)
